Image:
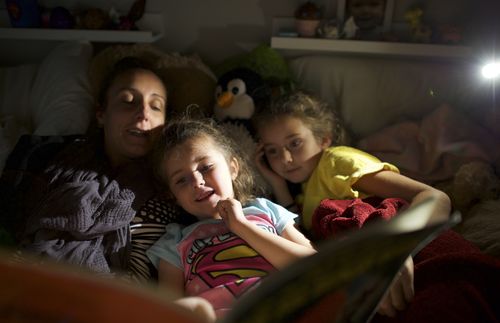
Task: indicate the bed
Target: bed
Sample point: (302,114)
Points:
(435,120)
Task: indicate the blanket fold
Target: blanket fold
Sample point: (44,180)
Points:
(334,217)
(80,213)
(454,282)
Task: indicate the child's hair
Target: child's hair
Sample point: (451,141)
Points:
(314,113)
(181,129)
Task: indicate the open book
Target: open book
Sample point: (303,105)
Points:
(344,281)
(347,279)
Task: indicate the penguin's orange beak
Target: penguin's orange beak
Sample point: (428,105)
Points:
(225,100)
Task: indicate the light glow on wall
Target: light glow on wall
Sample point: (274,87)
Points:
(491,70)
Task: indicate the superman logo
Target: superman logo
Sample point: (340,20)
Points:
(228,262)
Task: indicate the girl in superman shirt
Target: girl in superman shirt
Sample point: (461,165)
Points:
(237,240)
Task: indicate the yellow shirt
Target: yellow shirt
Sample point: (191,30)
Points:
(338,169)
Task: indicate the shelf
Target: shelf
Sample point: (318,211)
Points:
(321,45)
(294,46)
(150,25)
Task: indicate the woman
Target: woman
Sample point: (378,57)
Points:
(95,203)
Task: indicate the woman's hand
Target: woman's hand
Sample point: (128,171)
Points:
(231,212)
(401,291)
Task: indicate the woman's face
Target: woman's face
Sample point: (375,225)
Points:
(133,114)
(291,148)
(199,175)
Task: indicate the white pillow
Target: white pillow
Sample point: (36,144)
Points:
(15,90)
(61,102)
(372,93)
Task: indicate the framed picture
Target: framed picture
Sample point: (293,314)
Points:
(368,16)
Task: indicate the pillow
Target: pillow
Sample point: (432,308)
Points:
(15,118)
(61,102)
(15,90)
(372,93)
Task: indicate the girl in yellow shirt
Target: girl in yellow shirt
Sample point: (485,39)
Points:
(299,137)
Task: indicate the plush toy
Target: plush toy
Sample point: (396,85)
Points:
(475,191)
(265,61)
(473,182)
(237,94)
(93,18)
(275,78)
(61,18)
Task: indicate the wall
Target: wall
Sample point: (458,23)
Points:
(217,29)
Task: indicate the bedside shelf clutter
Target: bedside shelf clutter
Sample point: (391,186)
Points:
(296,46)
(150,30)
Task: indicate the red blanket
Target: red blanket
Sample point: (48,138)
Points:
(333,217)
(454,282)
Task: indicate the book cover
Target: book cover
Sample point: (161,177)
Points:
(347,279)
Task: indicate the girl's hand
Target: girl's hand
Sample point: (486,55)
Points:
(401,291)
(269,175)
(231,212)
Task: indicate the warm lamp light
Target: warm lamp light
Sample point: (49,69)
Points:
(491,70)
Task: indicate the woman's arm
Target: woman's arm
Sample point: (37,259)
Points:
(391,184)
(278,250)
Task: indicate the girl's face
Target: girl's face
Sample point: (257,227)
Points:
(135,109)
(291,148)
(199,176)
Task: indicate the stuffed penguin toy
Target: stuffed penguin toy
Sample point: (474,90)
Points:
(237,94)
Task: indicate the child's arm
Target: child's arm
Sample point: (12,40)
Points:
(278,250)
(390,184)
(171,278)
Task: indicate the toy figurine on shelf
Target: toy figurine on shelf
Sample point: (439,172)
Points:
(94,18)
(364,19)
(449,34)
(135,13)
(420,32)
(329,29)
(61,18)
(23,14)
(307,19)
